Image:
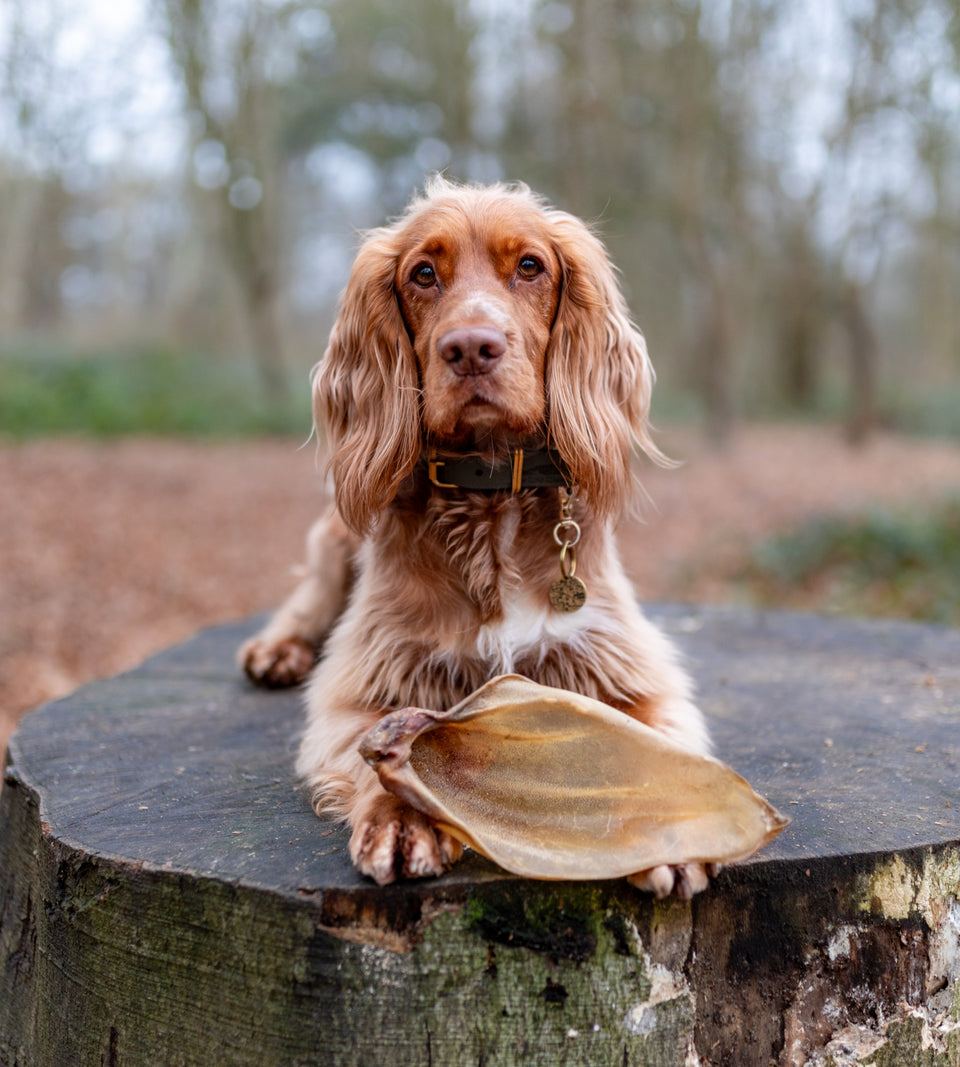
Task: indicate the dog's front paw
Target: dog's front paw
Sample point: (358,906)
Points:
(392,840)
(683,880)
(277,664)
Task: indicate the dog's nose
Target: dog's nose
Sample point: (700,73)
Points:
(472,349)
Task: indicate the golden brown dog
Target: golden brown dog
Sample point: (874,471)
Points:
(482,372)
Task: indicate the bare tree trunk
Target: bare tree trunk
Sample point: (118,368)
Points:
(23,201)
(262,315)
(799,372)
(591,68)
(249,234)
(706,193)
(863,352)
(715,359)
(799,308)
(251,241)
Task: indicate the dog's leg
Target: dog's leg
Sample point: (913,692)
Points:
(663,702)
(389,839)
(283,653)
(682,722)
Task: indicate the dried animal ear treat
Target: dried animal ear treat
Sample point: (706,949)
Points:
(549,784)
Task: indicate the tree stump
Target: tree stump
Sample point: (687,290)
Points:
(167,897)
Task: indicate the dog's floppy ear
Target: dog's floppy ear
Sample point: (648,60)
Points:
(599,377)
(366,394)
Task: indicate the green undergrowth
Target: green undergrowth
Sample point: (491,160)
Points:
(904,564)
(151,390)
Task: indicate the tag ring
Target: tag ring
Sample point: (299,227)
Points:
(573,525)
(568,560)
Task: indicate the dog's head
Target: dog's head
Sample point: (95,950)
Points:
(479,320)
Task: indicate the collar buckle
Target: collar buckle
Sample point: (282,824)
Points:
(432,464)
(536,468)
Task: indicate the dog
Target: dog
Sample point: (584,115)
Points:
(481,396)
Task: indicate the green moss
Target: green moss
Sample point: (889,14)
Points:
(904,1047)
(517,998)
(895,890)
(563,924)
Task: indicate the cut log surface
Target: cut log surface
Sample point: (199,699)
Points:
(167,896)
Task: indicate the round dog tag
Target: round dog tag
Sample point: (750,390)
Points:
(568,594)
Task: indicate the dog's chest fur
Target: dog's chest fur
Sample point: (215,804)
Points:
(479,539)
(503,551)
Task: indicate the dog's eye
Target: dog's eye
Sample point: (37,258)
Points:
(529,267)
(425,276)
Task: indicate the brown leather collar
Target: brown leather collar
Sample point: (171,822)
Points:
(536,468)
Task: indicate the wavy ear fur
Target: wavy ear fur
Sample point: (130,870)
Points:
(366,390)
(599,377)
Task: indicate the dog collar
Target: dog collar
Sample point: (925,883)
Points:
(537,468)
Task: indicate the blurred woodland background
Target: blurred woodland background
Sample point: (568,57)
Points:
(182,183)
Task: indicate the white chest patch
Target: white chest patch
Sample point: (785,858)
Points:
(528,628)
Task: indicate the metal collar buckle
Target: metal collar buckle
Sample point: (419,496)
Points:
(516,472)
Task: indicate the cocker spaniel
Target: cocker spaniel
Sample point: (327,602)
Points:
(481,395)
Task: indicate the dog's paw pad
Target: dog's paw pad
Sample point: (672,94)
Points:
(374,850)
(397,841)
(683,881)
(426,850)
(279,664)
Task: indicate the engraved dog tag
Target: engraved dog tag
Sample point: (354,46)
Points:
(568,594)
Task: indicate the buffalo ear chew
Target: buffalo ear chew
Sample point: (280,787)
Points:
(550,784)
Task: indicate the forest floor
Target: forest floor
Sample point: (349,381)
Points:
(110,551)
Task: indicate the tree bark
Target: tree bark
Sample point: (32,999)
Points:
(168,897)
(864,358)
